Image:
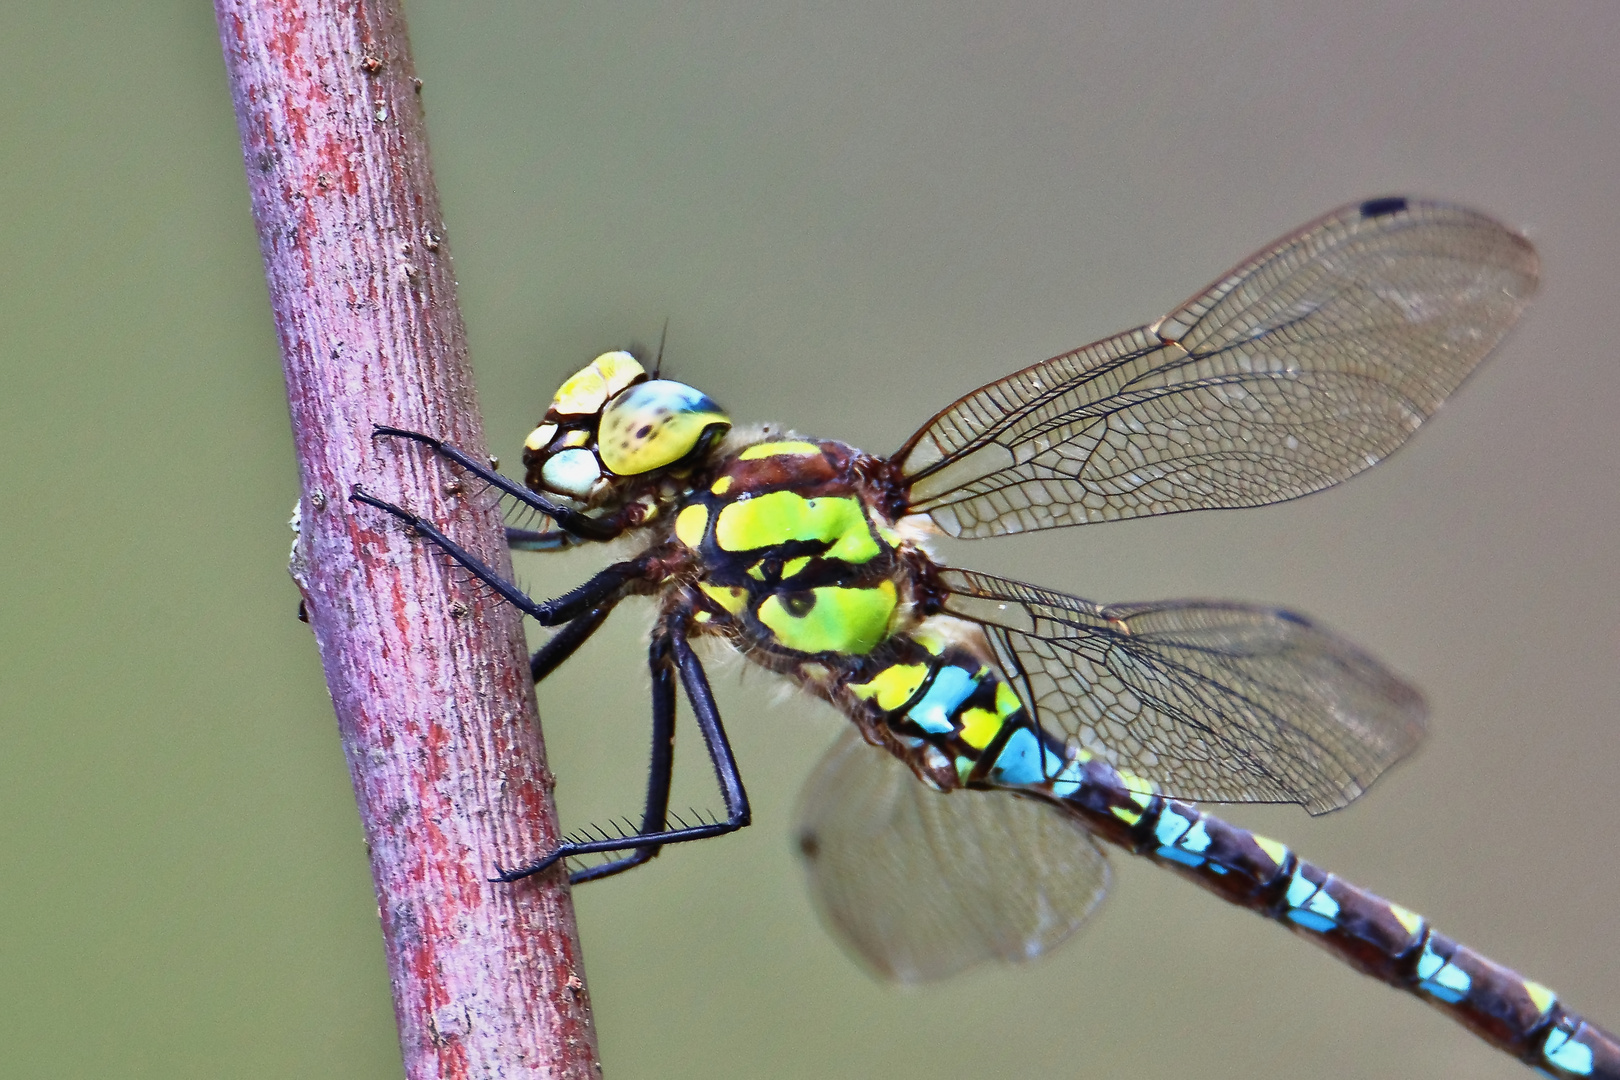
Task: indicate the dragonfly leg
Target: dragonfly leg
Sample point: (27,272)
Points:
(535,540)
(701,696)
(605,586)
(554,653)
(569,520)
(659,770)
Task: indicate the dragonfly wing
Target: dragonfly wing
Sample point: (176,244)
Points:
(921,885)
(1298,369)
(1211,701)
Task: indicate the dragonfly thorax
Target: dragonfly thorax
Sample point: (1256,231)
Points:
(793,555)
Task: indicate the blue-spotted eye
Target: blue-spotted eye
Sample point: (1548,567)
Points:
(654,424)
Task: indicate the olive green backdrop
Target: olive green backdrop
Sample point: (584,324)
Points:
(848,216)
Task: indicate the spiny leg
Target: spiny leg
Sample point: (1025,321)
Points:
(738,814)
(569,520)
(539,540)
(583,609)
(714,733)
(554,653)
(606,586)
(659,770)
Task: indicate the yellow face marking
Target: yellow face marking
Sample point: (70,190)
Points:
(540,437)
(893,686)
(781,516)
(690,525)
(589,388)
(979,726)
(618,370)
(1279,855)
(721,486)
(778,449)
(731,597)
(584,393)
(571,472)
(831,618)
(576,439)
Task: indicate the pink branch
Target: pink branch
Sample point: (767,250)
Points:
(427,676)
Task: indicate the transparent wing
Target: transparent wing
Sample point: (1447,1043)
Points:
(921,885)
(1211,701)
(1299,369)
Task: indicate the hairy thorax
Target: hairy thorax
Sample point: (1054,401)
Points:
(796,560)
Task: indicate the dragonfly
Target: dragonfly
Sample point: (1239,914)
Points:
(1003,733)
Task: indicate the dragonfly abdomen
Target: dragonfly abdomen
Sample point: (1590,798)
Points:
(947,710)
(952,712)
(1374,935)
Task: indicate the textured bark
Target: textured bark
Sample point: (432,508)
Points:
(427,675)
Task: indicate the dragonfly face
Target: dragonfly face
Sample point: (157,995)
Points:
(1296,370)
(610,430)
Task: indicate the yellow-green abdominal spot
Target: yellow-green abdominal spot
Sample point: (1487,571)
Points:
(831,618)
(1540,996)
(979,726)
(1279,855)
(893,686)
(781,516)
(1411,920)
(1141,790)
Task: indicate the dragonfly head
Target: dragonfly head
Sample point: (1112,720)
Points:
(610,423)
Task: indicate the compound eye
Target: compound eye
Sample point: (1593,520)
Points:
(655,424)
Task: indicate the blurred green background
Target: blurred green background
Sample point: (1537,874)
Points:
(849,216)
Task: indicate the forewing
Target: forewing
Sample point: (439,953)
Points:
(921,885)
(1210,701)
(1299,369)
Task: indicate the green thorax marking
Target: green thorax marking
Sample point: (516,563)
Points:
(790,551)
(774,519)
